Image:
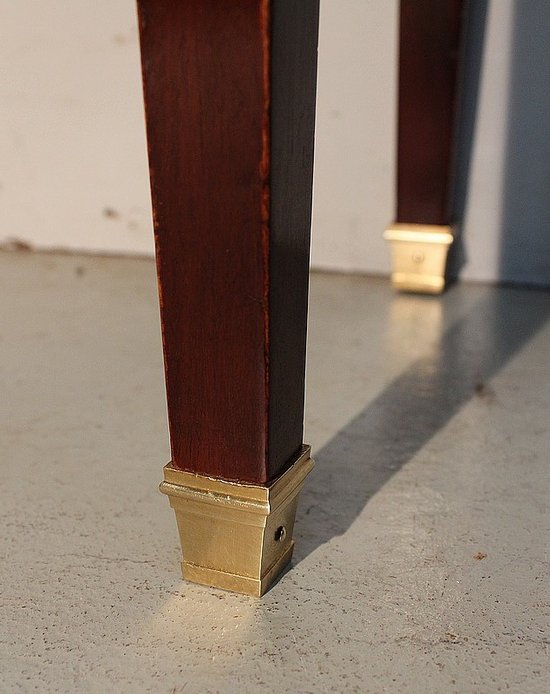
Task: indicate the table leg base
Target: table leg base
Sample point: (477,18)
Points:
(419,256)
(236,536)
(236,583)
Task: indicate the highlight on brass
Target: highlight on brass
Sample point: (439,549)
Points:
(419,256)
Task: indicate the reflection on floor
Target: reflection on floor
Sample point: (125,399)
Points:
(422,540)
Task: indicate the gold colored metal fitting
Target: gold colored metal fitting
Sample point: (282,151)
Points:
(233,535)
(419,256)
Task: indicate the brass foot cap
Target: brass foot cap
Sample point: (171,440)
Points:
(419,256)
(235,536)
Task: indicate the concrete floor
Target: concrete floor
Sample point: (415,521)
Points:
(422,559)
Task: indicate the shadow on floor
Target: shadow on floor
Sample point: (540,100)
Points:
(375,445)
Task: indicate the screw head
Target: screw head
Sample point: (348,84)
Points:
(280,533)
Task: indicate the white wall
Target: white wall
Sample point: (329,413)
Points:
(73,162)
(356,135)
(483,213)
(73,171)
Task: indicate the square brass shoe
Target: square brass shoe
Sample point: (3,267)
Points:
(233,535)
(419,256)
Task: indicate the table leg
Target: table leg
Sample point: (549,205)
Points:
(230,102)
(429,48)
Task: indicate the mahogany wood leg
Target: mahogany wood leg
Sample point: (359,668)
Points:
(429,47)
(230,102)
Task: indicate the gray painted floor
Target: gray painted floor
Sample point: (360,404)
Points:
(422,560)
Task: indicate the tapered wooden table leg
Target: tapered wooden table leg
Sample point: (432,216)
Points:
(230,102)
(429,47)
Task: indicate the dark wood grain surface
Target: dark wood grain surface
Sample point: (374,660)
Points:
(429,48)
(229,91)
(293,81)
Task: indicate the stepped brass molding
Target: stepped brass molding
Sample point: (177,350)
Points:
(233,535)
(419,256)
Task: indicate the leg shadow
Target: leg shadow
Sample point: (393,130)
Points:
(376,444)
(474,34)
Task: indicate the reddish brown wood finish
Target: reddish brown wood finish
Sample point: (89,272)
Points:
(429,38)
(230,94)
